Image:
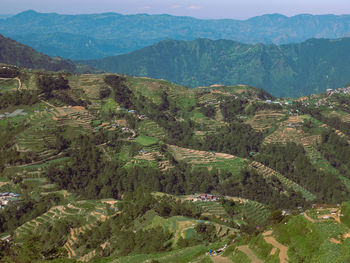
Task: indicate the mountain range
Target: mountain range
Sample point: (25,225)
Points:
(99,35)
(283,70)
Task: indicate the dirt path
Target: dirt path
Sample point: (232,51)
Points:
(309,218)
(52,106)
(283,249)
(19,83)
(220,259)
(251,255)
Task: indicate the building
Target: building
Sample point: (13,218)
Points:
(207,198)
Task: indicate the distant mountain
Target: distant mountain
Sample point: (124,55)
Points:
(286,70)
(74,46)
(14,53)
(4,16)
(99,35)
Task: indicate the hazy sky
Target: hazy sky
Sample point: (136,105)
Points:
(198,8)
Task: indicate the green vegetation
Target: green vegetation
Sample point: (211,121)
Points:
(146,140)
(85,168)
(14,53)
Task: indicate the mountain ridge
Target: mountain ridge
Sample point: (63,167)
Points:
(132,32)
(286,70)
(14,53)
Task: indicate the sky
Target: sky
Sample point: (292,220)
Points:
(207,9)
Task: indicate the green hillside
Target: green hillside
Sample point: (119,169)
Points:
(290,70)
(111,168)
(14,53)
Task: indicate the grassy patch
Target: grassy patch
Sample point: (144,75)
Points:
(346,212)
(179,256)
(146,140)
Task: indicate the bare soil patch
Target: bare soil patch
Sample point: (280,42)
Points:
(283,255)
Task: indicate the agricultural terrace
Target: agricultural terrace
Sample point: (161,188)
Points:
(150,157)
(344,116)
(153,89)
(209,160)
(288,131)
(88,213)
(150,128)
(90,85)
(76,116)
(183,227)
(264,120)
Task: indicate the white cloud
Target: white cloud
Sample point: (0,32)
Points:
(194,7)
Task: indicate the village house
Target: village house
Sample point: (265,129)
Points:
(6,197)
(207,198)
(294,125)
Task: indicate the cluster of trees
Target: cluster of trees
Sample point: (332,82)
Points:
(337,151)
(122,233)
(122,94)
(334,121)
(51,86)
(9,71)
(22,97)
(208,111)
(47,84)
(8,155)
(237,138)
(291,161)
(164,113)
(27,209)
(45,244)
(252,186)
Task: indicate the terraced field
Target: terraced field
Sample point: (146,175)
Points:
(209,160)
(90,85)
(255,212)
(89,214)
(151,128)
(263,120)
(212,208)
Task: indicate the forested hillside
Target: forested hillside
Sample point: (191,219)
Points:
(14,53)
(113,168)
(287,70)
(98,35)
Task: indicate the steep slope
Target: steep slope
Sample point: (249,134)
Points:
(286,70)
(125,33)
(14,53)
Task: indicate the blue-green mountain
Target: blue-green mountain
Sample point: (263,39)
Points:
(99,35)
(283,70)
